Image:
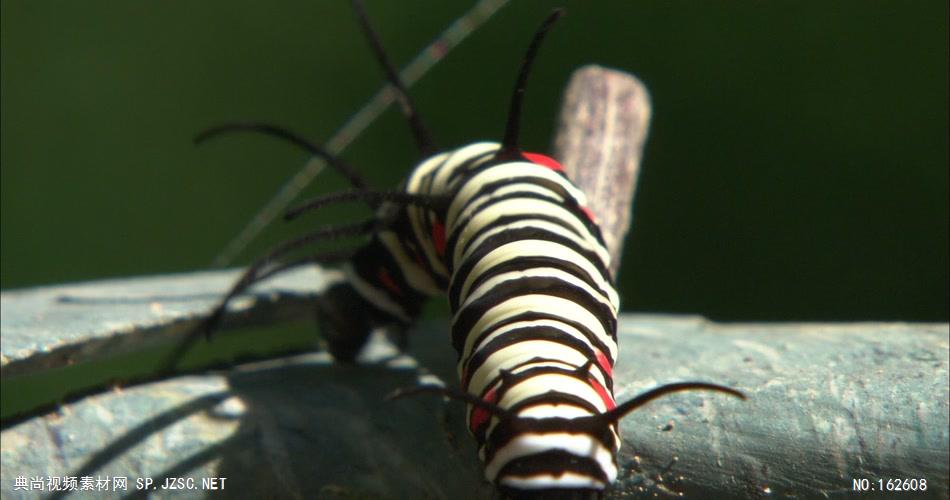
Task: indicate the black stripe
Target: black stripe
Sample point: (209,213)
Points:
(554,398)
(514,377)
(474,310)
(462,222)
(570,202)
(367,263)
(509,493)
(516,264)
(495,162)
(487,188)
(553,462)
(593,338)
(508,429)
(468,166)
(511,379)
(550,398)
(528,333)
(504,220)
(520,263)
(412,247)
(530,233)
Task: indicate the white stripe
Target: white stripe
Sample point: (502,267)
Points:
(459,157)
(546,382)
(540,248)
(587,243)
(418,216)
(376,296)
(526,444)
(546,323)
(558,307)
(488,285)
(529,209)
(536,386)
(506,171)
(436,171)
(416,277)
(475,203)
(543,481)
(511,356)
(520,369)
(553,411)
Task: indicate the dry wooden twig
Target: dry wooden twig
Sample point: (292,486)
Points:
(603,127)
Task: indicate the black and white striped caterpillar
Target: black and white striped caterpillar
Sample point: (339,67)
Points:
(507,236)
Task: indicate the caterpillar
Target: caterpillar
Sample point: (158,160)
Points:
(506,236)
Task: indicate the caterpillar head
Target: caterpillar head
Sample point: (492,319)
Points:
(345,320)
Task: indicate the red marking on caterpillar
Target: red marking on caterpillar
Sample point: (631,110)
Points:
(604,364)
(588,213)
(544,161)
(438,237)
(605,396)
(481,415)
(387,280)
(463,377)
(551,163)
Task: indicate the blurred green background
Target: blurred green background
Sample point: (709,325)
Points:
(796,167)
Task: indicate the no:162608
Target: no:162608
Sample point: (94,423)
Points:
(864,484)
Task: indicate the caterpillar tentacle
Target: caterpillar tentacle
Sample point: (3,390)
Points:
(420,133)
(347,170)
(374,198)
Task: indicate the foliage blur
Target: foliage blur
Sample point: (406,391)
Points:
(796,167)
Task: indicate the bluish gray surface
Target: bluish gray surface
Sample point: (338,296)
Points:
(827,404)
(54,326)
